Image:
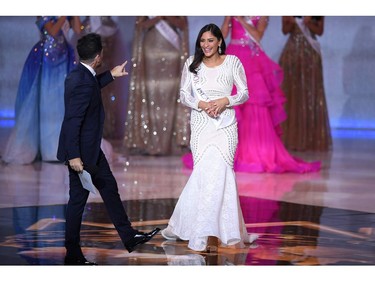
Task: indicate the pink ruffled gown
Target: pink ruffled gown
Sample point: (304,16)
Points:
(260,148)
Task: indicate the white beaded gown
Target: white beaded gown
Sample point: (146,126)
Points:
(209,203)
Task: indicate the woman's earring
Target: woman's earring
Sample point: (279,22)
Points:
(219,50)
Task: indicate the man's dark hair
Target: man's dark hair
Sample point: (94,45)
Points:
(89,46)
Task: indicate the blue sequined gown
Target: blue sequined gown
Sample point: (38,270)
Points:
(39,108)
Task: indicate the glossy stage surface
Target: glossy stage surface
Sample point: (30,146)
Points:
(325,218)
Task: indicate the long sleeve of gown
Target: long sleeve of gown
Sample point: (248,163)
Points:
(186,93)
(242,94)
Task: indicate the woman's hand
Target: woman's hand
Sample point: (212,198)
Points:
(207,107)
(214,108)
(219,106)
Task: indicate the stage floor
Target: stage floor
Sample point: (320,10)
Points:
(325,218)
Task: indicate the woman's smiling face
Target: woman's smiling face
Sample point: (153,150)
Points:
(209,44)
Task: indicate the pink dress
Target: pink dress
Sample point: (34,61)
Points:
(260,148)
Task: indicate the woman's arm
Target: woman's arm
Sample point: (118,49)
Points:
(256,32)
(186,88)
(240,82)
(76,25)
(226,26)
(54,28)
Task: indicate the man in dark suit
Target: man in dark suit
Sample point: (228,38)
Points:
(79,147)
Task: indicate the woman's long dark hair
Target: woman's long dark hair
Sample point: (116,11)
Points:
(198,55)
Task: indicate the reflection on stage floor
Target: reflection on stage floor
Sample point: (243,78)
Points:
(325,218)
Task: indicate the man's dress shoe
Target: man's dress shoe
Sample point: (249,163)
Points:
(140,238)
(78,261)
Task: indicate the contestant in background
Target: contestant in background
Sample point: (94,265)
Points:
(39,108)
(260,148)
(156,122)
(307,127)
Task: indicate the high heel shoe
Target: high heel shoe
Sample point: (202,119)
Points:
(253,237)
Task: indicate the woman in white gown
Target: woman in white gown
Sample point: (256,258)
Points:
(208,206)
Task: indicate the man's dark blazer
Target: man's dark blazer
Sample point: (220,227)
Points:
(82,127)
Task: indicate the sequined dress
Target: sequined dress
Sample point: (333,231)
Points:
(156,121)
(209,203)
(39,108)
(307,127)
